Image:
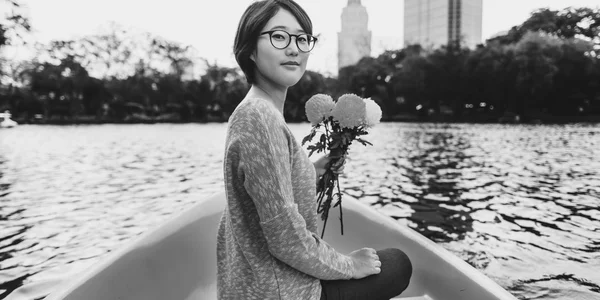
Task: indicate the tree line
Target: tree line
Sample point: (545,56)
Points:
(546,69)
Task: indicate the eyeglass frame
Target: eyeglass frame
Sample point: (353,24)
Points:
(270,33)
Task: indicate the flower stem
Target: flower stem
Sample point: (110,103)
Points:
(340,204)
(324,225)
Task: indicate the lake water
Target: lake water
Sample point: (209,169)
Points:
(521,203)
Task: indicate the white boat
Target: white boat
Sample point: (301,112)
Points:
(177,260)
(5,121)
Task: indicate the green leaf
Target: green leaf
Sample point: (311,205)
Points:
(309,137)
(363,142)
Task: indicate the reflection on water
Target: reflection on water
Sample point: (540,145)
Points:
(520,203)
(72,194)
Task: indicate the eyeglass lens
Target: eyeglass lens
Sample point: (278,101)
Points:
(281,39)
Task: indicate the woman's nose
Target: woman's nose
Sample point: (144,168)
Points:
(292,48)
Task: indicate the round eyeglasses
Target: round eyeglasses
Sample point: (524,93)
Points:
(281,39)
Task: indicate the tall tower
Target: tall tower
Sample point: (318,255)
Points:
(354,41)
(433,23)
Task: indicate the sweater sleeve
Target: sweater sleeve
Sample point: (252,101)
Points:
(266,164)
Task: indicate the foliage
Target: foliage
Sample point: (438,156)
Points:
(546,69)
(310,84)
(14,24)
(543,69)
(569,23)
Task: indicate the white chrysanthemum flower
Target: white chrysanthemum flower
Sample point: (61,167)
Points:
(373,115)
(349,111)
(318,108)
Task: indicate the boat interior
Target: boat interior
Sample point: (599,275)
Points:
(178,259)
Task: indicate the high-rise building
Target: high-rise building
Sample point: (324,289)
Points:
(433,23)
(354,41)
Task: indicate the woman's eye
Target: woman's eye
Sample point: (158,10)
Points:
(278,36)
(303,39)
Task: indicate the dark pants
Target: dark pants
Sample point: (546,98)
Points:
(396,270)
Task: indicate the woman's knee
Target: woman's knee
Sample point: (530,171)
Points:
(401,265)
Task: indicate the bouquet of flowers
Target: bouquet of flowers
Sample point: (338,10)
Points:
(338,124)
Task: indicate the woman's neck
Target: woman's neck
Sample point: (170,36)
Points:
(268,90)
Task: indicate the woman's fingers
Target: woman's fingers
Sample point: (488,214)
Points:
(377,264)
(338,166)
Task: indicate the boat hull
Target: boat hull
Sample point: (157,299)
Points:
(178,259)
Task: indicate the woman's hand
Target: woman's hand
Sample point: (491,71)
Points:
(366,262)
(321,165)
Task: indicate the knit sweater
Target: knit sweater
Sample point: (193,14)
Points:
(267,244)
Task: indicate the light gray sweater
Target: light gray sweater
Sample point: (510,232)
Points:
(267,245)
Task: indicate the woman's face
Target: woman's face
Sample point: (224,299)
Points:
(286,66)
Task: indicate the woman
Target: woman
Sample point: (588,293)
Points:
(268,246)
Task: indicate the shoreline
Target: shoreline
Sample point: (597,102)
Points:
(546,121)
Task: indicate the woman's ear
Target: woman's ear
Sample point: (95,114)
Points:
(253,56)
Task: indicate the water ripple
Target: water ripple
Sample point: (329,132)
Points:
(518,202)
(507,199)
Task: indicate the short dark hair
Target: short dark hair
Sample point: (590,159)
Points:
(256,16)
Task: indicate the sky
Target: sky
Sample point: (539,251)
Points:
(210,26)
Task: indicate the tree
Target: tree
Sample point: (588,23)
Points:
(222,90)
(60,87)
(489,79)
(445,79)
(107,54)
(177,56)
(535,60)
(581,23)
(594,87)
(310,84)
(409,80)
(574,87)
(365,77)
(14,25)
